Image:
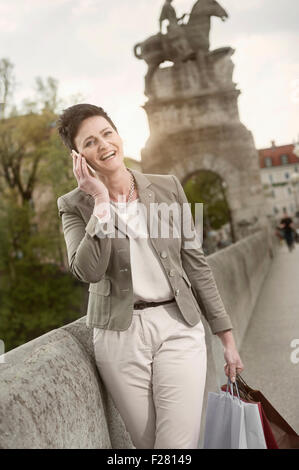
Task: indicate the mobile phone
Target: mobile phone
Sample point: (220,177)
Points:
(92,170)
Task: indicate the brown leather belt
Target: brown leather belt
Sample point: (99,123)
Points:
(141,305)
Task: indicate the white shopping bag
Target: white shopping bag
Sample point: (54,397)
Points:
(232,423)
(255,436)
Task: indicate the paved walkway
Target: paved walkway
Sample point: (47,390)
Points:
(266,350)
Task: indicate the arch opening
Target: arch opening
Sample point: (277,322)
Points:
(209,188)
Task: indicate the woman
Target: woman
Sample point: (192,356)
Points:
(146,293)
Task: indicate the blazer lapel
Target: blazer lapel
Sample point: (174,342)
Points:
(146,197)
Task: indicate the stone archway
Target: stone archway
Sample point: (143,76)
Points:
(213,220)
(233,158)
(243,187)
(230,176)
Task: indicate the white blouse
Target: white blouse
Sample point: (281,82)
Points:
(150,282)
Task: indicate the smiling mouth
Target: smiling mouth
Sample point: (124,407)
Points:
(110,155)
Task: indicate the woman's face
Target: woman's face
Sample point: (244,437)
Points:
(95,140)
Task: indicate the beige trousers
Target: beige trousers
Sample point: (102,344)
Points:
(155,372)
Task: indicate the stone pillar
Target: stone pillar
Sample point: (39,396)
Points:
(194,128)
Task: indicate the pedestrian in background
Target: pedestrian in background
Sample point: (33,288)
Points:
(288,228)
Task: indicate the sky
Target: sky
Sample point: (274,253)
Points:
(87,45)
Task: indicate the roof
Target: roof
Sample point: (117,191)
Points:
(275,152)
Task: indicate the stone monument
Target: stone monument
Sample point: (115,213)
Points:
(193,115)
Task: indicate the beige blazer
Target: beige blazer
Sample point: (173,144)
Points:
(103,260)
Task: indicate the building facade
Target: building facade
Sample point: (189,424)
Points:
(280,178)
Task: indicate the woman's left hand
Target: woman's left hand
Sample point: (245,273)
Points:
(233,363)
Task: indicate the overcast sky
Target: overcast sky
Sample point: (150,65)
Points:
(87,45)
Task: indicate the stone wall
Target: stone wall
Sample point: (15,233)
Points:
(51,394)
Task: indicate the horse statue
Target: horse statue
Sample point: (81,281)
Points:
(160,47)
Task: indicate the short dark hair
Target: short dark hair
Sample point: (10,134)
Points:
(70,120)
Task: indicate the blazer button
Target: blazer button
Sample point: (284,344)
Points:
(171,272)
(163,254)
(177,292)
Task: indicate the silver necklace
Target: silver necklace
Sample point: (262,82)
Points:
(132,187)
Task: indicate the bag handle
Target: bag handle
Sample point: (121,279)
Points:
(244,388)
(231,385)
(242,381)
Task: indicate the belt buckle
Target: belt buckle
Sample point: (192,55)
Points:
(140,305)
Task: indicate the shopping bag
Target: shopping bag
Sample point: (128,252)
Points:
(224,417)
(231,423)
(269,436)
(254,428)
(268,433)
(278,433)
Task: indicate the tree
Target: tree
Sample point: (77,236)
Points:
(22,140)
(206,187)
(7,85)
(36,292)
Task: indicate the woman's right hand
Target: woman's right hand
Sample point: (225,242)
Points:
(88,183)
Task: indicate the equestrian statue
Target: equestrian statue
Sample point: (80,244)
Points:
(184,41)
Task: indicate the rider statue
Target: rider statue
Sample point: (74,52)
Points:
(175,39)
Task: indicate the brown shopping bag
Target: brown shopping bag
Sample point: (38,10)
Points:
(277,429)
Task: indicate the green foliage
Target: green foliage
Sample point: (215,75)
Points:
(39,299)
(56,167)
(206,187)
(35,296)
